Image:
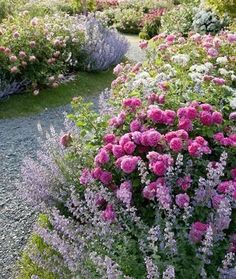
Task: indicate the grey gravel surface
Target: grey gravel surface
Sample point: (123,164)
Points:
(19,138)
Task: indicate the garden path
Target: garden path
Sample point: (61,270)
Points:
(18,139)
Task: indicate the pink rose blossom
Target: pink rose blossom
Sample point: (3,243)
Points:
(206,118)
(182,200)
(135,125)
(212,52)
(66,140)
(117,70)
(129,163)
(124,193)
(102,157)
(109,214)
(109,138)
(184,182)
(129,147)
(218,81)
(197,231)
(106,177)
(217,117)
(86,177)
(118,151)
(176,144)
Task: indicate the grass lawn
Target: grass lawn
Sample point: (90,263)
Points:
(85,84)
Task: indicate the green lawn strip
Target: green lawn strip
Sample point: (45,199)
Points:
(85,84)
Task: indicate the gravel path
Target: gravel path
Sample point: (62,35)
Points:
(19,139)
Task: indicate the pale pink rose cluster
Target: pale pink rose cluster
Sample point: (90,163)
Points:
(229,140)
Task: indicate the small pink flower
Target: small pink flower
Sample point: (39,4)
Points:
(13,58)
(86,177)
(218,81)
(206,107)
(149,191)
(212,52)
(109,214)
(22,54)
(117,70)
(176,144)
(129,163)
(135,125)
(216,200)
(232,116)
(184,182)
(132,103)
(124,193)
(233,173)
(185,124)
(159,168)
(129,147)
(66,140)
(14,70)
(182,200)
(197,231)
(153,137)
(118,151)
(109,138)
(217,117)
(206,118)
(102,157)
(106,177)
(155,114)
(232,38)
(32,58)
(16,34)
(96,173)
(143,44)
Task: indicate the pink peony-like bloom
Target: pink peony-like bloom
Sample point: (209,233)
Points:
(218,81)
(206,118)
(176,144)
(22,54)
(86,177)
(184,182)
(129,163)
(170,135)
(124,193)
(197,231)
(232,116)
(109,214)
(216,200)
(217,117)
(185,124)
(124,139)
(136,137)
(109,138)
(163,196)
(155,114)
(143,44)
(118,151)
(13,58)
(133,103)
(129,147)
(159,168)
(106,177)
(233,173)
(66,140)
(170,38)
(14,70)
(102,157)
(212,52)
(96,173)
(182,200)
(224,187)
(231,38)
(206,107)
(182,134)
(117,70)
(135,125)
(152,137)
(191,113)
(149,191)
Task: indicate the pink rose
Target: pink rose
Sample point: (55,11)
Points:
(182,200)
(217,117)
(206,118)
(129,163)
(102,157)
(135,125)
(66,140)
(109,214)
(106,177)
(197,231)
(118,151)
(129,147)
(176,144)
(149,191)
(159,168)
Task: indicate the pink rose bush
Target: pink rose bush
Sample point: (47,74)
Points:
(150,183)
(200,67)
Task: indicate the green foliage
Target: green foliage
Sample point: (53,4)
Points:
(83,6)
(223,6)
(128,20)
(26,267)
(179,19)
(207,21)
(85,84)
(5,9)
(47,56)
(43,7)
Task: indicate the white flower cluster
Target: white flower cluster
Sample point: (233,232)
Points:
(181,59)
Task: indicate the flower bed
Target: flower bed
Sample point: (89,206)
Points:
(198,68)
(146,188)
(41,50)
